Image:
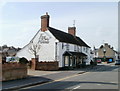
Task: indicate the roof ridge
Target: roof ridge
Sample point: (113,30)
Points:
(66,37)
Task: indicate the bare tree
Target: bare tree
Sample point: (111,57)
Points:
(34,49)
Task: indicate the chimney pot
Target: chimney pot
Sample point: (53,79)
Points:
(46,13)
(72,30)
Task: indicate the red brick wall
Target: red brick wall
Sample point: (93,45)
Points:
(47,65)
(35,65)
(12,71)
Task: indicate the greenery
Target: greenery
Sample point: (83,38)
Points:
(23,60)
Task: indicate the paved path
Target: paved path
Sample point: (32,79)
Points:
(40,73)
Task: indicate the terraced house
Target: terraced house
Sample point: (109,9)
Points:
(67,49)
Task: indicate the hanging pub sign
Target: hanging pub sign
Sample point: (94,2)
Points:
(43,39)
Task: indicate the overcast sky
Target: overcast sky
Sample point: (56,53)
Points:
(96,22)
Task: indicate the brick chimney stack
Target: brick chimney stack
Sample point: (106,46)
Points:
(72,30)
(45,22)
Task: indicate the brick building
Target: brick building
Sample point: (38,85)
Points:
(107,52)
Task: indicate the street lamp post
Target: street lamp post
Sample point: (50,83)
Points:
(104,51)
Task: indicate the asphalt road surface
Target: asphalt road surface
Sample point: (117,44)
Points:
(100,77)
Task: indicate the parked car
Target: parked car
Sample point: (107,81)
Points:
(117,62)
(110,60)
(12,59)
(99,60)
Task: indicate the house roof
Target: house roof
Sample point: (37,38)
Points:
(81,42)
(66,37)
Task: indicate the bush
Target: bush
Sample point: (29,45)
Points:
(23,60)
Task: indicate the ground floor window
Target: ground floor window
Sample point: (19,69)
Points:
(71,60)
(66,60)
(74,60)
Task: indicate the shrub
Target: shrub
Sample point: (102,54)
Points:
(23,60)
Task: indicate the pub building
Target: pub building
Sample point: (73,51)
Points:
(67,49)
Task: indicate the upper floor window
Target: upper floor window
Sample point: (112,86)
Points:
(75,47)
(62,45)
(67,47)
(83,48)
(78,48)
(86,49)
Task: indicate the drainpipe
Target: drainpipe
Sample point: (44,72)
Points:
(56,51)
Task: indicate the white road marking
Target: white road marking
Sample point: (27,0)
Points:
(99,84)
(76,87)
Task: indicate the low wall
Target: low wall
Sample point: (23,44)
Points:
(52,65)
(47,65)
(12,71)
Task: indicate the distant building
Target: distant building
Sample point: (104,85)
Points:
(6,51)
(95,53)
(67,49)
(107,52)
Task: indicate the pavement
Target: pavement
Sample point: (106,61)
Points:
(30,80)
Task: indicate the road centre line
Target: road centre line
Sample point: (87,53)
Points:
(56,80)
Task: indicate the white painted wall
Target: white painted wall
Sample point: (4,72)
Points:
(60,52)
(47,50)
(24,53)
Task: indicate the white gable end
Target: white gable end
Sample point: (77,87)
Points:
(47,47)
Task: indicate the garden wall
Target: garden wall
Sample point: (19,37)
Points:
(12,71)
(44,65)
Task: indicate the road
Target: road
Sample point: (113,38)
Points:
(100,77)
